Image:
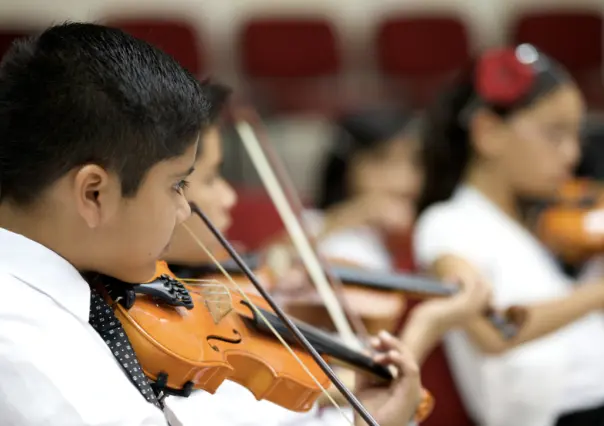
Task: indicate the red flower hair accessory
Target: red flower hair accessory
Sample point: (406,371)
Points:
(505,76)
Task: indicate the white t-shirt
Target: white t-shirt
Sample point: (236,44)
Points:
(533,384)
(362,245)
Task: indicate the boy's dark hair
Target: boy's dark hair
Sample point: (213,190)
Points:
(82,93)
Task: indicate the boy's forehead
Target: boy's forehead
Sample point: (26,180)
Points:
(182,163)
(210,147)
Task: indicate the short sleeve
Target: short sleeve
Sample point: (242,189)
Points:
(446,230)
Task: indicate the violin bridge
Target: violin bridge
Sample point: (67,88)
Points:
(217,299)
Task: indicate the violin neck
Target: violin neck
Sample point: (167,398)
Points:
(405,283)
(323,343)
(409,284)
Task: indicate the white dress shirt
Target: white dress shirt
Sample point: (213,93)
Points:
(533,384)
(54,368)
(234,405)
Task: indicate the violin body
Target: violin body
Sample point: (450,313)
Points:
(201,347)
(572,224)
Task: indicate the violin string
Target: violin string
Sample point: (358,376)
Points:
(268,324)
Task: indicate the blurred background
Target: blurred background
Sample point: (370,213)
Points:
(301,63)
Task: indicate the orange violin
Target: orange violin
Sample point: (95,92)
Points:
(572,224)
(201,343)
(194,336)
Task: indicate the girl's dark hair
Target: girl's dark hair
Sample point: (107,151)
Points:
(445,139)
(359,131)
(218,95)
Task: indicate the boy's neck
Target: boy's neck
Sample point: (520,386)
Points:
(24,221)
(35,224)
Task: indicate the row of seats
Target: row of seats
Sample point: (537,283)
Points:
(293,61)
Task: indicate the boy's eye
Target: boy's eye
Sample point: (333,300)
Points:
(181,185)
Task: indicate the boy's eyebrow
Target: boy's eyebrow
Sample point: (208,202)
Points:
(186,173)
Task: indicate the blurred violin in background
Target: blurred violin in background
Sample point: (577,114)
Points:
(571,224)
(303,303)
(377,303)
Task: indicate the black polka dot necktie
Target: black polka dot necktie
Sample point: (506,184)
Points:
(104,321)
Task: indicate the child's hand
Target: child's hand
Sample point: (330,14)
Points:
(395,403)
(472,300)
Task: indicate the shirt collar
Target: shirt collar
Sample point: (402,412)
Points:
(46,271)
(466,193)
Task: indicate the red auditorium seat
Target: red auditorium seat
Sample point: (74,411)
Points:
(8,36)
(290,63)
(417,53)
(572,37)
(178,38)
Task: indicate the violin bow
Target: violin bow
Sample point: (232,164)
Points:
(354,402)
(304,244)
(283,179)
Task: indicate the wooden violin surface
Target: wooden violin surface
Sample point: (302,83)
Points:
(572,224)
(217,334)
(201,347)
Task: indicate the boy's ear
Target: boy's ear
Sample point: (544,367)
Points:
(96,193)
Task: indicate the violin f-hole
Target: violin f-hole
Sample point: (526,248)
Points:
(235,340)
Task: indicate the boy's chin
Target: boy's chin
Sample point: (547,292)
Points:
(138,275)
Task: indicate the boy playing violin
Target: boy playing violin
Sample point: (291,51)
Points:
(98,131)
